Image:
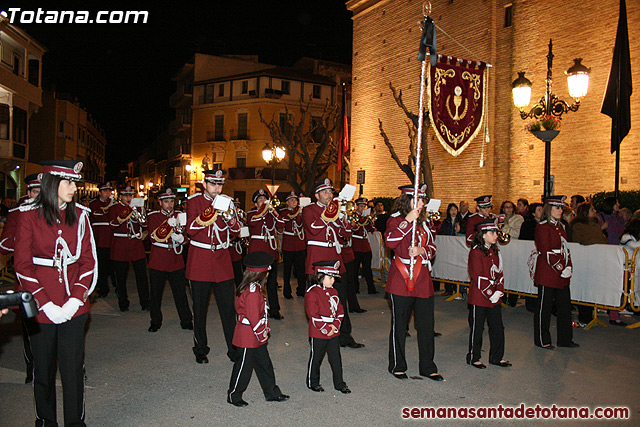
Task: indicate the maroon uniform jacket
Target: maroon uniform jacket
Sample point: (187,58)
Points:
(553,255)
(323,310)
(166,255)
(73,247)
(293,237)
(347,250)
(322,235)
(470,230)
(99,217)
(359,237)
(210,234)
(126,244)
(486,277)
(252,325)
(262,229)
(7,240)
(398,239)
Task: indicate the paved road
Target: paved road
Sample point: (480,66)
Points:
(136,378)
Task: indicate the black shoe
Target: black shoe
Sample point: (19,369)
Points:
(478,365)
(276,316)
(240,404)
(188,326)
(281,398)
(437,334)
(503,364)
(358,310)
(28,379)
(316,388)
(547,347)
(124,308)
(344,390)
(617,323)
(401,376)
(435,377)
(570,345)
(288,297)
(353,345)
(144,307)
(153,328)
(407,333)
(357,292)
(373,292)
(202,360)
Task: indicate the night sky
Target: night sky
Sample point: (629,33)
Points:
(121,73)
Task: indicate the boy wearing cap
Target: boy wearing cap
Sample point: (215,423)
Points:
(165,261)
(209,262)
(324,225)
(127,225)
(484,212)
(552,277)
(293,246)
(325,314)
(99,217)
(262,221)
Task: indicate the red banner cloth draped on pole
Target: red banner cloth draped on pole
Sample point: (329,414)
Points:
(457,101)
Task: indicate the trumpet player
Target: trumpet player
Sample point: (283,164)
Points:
(484,212)
(127,225)
(209,262)
(262,221)
(165,261)
(362,226)
(99,218)
(293,245)
(237,248)
(324,224)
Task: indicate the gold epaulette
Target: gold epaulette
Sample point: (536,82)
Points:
(207,217)
(331,212)
(296,213)
(125,214)
(263,211)
(163,232)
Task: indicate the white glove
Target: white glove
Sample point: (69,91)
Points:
(172,221)
(54,313)
(71,307)
(496,297)
(566,273)
(177,238)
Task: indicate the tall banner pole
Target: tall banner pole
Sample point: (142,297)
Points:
(428,40)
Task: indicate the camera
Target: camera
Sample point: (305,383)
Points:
(22,299)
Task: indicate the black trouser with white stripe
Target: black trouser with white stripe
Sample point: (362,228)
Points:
(401,308)
(542,316)
(142,283)
(27,326)
(477,315)
(238,272)
(272,288)
(178,288)
(295,260)
(248,359)
(351,285)
(224,293)
(61,344)
(364,259)
(318,347)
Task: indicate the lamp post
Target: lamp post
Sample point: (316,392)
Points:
(549,104)
(273,155)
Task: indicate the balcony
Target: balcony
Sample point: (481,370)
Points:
(181,151)
(12,150)
(180,99)
(257,173)
(181,124)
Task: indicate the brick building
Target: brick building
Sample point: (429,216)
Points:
(512,36)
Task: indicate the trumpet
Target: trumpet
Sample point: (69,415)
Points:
(273,204)
(503,237)
(141,217)
(433,216)
(114,201)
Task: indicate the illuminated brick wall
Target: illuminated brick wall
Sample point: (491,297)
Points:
(385,44)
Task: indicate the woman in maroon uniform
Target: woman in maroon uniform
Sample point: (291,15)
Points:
(552,277)
(55,260)
(485,290)
(325,314)
(252,332)
(411,295)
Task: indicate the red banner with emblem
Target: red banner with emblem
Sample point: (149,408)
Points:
(457,92)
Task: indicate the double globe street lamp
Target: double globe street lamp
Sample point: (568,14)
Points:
(273,155)
(549,105)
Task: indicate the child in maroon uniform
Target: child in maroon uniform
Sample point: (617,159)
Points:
(252,332)
(485,293)
(325,314)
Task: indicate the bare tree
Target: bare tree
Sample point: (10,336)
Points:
(412,127)
(310,147)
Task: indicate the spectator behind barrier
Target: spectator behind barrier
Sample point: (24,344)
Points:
(630,239)
(448,227)
(528,228)
(523,207)
(575,201)
(610,220)
(512,220)
(626,215)
(567,217)
(586,231)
